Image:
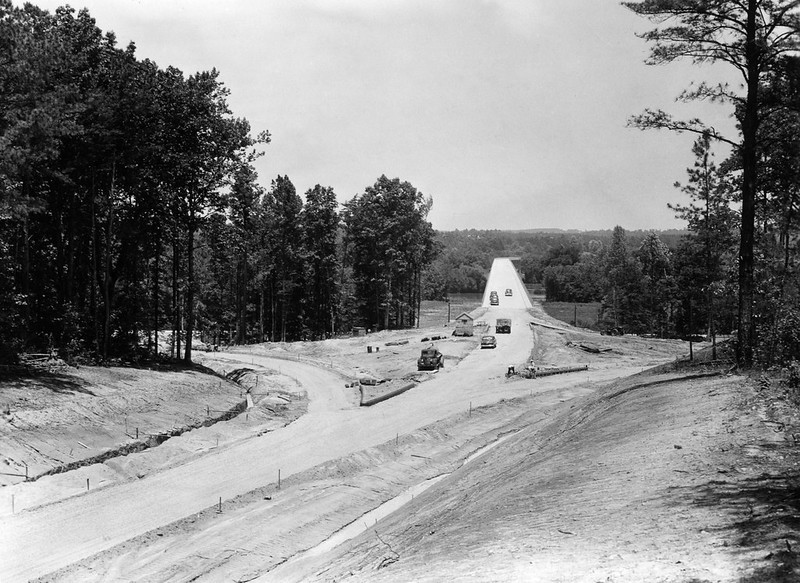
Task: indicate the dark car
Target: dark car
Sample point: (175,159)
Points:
(430,359)
(488,342)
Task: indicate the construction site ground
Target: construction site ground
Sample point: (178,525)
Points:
(642,468)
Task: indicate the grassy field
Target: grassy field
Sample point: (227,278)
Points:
(565,311)
(434,313)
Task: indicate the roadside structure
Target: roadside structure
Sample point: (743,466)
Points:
(464,325)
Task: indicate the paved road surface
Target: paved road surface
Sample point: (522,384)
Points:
(503,277)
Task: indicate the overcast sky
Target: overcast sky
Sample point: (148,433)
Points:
(511,114)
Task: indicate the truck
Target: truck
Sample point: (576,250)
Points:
(430,359)
(502,326)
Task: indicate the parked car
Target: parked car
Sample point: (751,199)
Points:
(488,342)
(494,299)
(430,359)
(509,292)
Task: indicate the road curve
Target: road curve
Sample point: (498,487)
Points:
(100,519)
(39,541)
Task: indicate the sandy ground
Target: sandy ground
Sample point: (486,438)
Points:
(66,415)
(669,481)
(610,475)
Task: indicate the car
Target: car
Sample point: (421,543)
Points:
(488,342)
(494,299)
(430,359)
(509,292)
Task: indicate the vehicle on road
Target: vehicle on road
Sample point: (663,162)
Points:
(488,342)
(502,326)
(430,359)
(613,331)
(494,299)
(509,292)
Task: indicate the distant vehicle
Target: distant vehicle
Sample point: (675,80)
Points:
(488,342)
(494,299)
(502,326)
(613,331)
(509,292)
(430,359)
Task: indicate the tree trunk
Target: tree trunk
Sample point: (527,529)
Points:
(175,348)
(107,284)
(187,355)
(272,309)
(156,273)
(94,269)
(419,294)
(261,314)
(747,331)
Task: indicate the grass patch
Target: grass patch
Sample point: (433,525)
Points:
(566,311)
(434,313)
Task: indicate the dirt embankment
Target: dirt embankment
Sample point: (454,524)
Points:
(56,421)
(654,479)
(672,477)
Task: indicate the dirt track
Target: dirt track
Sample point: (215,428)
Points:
(592,489)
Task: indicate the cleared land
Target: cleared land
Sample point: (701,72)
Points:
(620,474)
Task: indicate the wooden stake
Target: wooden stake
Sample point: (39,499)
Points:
(219,508)
(87,484)
(470,408)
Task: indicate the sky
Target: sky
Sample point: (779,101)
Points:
(509,114)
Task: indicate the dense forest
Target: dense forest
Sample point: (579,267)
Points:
(132,221)
(131,212)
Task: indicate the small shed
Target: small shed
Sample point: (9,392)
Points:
(464,325)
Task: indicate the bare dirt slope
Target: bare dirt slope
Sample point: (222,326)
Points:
(657,478)
(54,418)
(589,477)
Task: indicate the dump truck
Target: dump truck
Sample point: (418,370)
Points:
(502,326)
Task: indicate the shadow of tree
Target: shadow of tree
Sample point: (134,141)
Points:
(45,380)
(766,517)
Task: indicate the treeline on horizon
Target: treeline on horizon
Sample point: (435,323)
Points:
(645,281)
